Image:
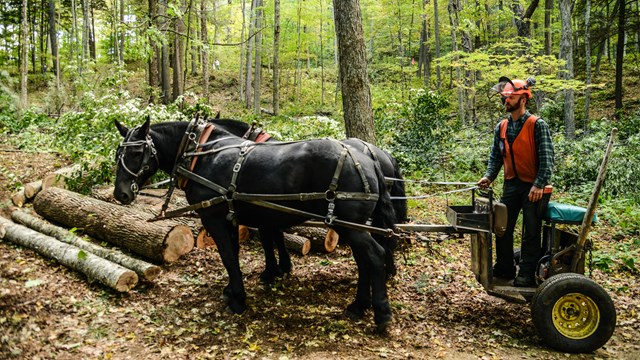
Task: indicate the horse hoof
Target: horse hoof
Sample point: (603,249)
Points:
(354,312)
(382,327)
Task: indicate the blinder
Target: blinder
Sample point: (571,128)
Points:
(148,149)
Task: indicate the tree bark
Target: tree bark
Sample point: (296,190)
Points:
(276,58)
(258,67)
(322,240)
(153,57)
(161,241)
(24,56)
(94,267)
(548,9)
(620,56)
(32,189)
(436,26)
(141,268)
(204,34)
(178,57)
(587,56)
(297,243)
(53,38)
(522,19)
(356,95)
(566,53)
(85,29)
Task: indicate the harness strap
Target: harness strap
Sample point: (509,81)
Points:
(305,196)
(178,212)
(356,162)
(201,180)
(347,224)
(231,216)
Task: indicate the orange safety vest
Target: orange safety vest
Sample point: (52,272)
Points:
(520,158)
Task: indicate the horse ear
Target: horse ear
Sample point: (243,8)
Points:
(217,115)
(121,128)
(145,127)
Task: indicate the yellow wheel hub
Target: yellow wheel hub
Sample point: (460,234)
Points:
(576,316)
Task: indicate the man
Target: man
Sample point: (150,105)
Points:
(523,144)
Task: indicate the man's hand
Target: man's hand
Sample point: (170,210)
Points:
(484,183)
(535,194)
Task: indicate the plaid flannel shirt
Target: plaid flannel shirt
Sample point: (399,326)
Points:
(544,147)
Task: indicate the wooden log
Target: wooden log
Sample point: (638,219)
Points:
(18,198)
(59,177)
(142,268)
(297,243)
(323,240)
(204,240)
(32,189)
(94,267)
(160,241)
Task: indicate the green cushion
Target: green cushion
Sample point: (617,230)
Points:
(566,214)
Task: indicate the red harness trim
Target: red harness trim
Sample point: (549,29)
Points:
(182,182)
(262,137)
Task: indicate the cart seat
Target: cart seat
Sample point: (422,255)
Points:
(565,214)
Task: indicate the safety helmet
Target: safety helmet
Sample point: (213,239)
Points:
(507,87)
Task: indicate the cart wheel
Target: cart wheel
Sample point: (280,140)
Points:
(573,314)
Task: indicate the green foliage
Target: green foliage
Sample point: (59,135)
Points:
(8,103)
(415,130)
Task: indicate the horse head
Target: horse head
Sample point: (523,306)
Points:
(136,160)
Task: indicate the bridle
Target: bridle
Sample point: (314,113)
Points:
(148,149)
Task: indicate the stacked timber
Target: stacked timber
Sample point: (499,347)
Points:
(162,241)
(94,267)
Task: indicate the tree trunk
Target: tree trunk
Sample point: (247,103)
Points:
(178,57)
(141,268)
(587,56)
(32,189)
(162,241)
(522,19)
(566,53)
(121,34)
(204,34)
(258,68)
(356,95)
(620,57)
(436,26)
(454,7)
(248,68)
(548,9)
(94,267)
(153,57)
(242,52)
(187,47)
(85,29)
(24,56)
(53,38)
(276,57)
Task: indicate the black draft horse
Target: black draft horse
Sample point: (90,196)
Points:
(390,170)
(305,167)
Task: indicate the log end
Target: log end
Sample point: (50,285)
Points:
(243,233)
(152,272)
(331,241)
(32,188)
(127,281)
(306,247)
(178,242)
(204,240)
(18,198)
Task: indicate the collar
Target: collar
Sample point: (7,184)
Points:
(523,118)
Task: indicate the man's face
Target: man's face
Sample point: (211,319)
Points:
(512,102)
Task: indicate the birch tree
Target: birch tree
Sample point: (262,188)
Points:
(566,54)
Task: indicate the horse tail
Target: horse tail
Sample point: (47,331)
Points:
(398,192)
(384,216)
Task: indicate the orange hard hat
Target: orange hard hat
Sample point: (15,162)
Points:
(506,87)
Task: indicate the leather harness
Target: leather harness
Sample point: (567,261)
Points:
(196,137)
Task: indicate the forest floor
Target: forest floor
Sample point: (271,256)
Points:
(440,311)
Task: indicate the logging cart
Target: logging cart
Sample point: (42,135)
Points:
(571,312)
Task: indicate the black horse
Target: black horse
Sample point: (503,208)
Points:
(389,168)
(233,177)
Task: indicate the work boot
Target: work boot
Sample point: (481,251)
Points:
(523,280)
(500,272)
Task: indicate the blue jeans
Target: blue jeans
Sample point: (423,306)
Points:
(516,197)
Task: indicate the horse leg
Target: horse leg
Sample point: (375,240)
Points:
(271,270)
(373,270)
(226,237)
(285,259)
(357,308)
(389,262)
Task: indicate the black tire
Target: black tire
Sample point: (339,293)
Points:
(573,314)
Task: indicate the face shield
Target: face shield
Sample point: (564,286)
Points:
(504,88)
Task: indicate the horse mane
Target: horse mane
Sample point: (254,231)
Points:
(235,127)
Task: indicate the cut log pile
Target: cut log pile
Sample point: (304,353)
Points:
(100,217)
